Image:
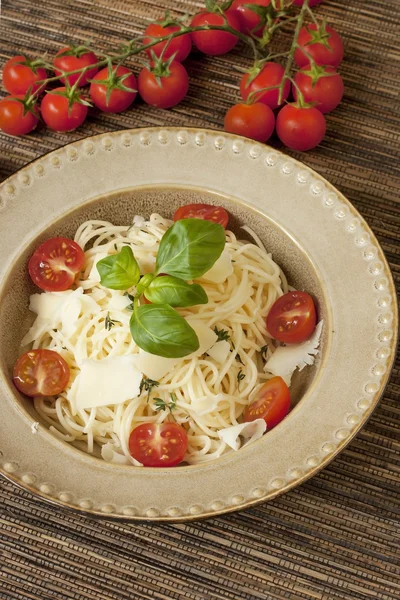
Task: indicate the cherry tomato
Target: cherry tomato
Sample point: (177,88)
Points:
(249,20)
(57,113)
(169,90)
(269,75)
(255,121)
(12,118)
(20,74)
(272,403)
(54,265)
(322,43)
(117,85)
(41,373)
(292,318)
(320,85)
(215,214)
(311,3)
(215,42)
(179,46)
(158,445)
(72,58)
(300,128)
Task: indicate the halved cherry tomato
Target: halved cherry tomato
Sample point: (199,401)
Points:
(41,373)
(292,318)
(272,403)
(158,445)
(54,265)
(216,214)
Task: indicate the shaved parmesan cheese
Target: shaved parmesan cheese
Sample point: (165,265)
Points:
(220,351)
(118,300)
(286,359)
(107,382)
(156,367)
(94,275)
(139,221)
(206,404)
(47,304)
(110,453)
(221,269)
(249,431)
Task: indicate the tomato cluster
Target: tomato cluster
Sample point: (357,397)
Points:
(316,88)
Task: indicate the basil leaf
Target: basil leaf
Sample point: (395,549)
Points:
(175,292)
(190,248)
(160,330)
(119,271)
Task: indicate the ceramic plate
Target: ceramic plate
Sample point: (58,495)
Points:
(316,235)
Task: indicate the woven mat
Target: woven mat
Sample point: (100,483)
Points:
(336,536)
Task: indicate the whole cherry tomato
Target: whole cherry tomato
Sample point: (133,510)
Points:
(178,47)
(320,85)
(255,121)
(322,43)
(215,42)
(73,58)
(21,74)
(249,19)
(63,112)
(300,128)
(311,3)
(15,117)
(113,89)
(269,75)
(166,87)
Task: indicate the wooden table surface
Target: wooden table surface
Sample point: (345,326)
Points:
(336,536)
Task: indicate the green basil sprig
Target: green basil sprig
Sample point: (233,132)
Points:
(119,271)
(187,250)
(159,329)
(190,248)
(175,292)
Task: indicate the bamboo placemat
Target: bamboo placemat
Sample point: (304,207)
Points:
(336,536)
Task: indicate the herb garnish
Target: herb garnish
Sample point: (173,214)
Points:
(240,377)
(263,350)
(237,357)
(222,334)
(109,323)
(162,405)
(147,385)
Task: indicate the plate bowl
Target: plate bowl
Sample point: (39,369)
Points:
(316,236)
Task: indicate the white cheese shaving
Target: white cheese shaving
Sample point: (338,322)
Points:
(94,275)
(220,351)
(220,270)
(286,359)
(203,405)
(251,432)
(107,382)
(118,300)
(156,367)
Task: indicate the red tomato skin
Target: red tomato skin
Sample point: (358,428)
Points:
(272,409)
(249,20)
(172,90)
(292,318)
(270,75)
(56,251)
(208,212)
(180,46)
(12,118)
(119,100)
(255,121)
(56,113)
(311,3)
(322,55)
(148,453)
(300,128)
(18,78)
(32,365)
(215,43)
(72,63)
(327,92)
